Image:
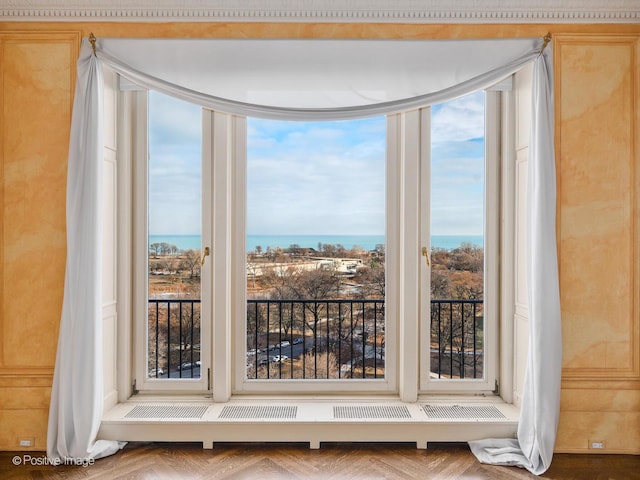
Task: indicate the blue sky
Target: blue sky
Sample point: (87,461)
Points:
(457,166)
(316,177)
(175,152)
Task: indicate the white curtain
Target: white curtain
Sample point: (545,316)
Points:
(77,391)
(310,80)
(316,79)
(540,410)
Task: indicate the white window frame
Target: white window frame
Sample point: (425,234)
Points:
(242,385)
(492,241)
(140,254)
(224,168)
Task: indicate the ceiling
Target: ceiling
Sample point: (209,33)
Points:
(377,11)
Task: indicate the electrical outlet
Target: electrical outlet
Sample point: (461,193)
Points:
(596,444)
(26,442)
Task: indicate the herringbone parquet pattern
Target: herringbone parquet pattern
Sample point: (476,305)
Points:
(332,461)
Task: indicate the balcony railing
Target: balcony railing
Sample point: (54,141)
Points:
(316,339)
(328,339)
(174,338)
(457,339)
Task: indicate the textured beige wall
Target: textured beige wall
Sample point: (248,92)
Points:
(597,120)
(36,88)
(598,231)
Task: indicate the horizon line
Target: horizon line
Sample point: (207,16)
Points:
(314,235)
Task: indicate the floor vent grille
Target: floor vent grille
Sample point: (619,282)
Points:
(381,411)
(167,411)
(459,411)
(251,411)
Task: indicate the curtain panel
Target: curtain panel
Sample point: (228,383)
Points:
(301,80)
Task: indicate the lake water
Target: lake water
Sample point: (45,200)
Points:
(366,242)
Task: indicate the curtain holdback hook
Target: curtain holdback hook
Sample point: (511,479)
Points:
(547,39)
(92,40)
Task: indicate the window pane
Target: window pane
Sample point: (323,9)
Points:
(457,237)
(174,228)
(316,256)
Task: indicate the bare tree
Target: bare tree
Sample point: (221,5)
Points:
(457,274)
(252,270)
(457,330)
(467,258)
(155,248)
(322,365)
(191,262)
(310,287)
(167,265)
(456,327)
(174,334)
(372,280)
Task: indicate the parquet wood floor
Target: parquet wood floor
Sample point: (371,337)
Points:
(297,462)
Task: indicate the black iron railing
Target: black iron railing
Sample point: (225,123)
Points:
(328,339)
(457,339)
(316,339)
(174,338)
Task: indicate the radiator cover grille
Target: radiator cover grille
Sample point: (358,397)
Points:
(390,412)
(259,411)
(460,411)
(167,411)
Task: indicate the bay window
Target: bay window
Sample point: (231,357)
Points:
(219,335)
(293,257)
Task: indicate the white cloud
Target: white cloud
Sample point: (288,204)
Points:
(457,167)
(173,121)
(175,158)
(458,120)
(317,178)
(314,178)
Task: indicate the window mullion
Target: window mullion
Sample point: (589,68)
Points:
(410,260)
(125,268)
(507,244)
(219,148)
(140,251)
(425,236)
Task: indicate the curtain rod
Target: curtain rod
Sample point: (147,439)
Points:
(546,39)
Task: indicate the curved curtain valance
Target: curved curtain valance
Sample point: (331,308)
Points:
(310,80)
(316,79)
